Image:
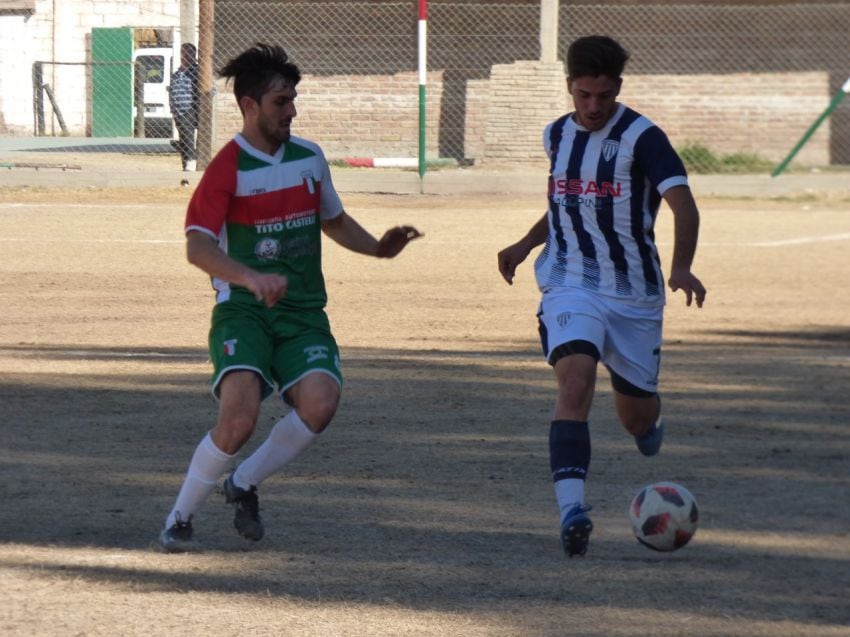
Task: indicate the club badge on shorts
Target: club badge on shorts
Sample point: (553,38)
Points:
(316,353)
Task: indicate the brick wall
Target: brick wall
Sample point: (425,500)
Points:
(758,113)
(352,116)
(477,106)
(524,97)
(377,116)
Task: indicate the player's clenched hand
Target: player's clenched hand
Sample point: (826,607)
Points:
(509,259)
(268,288)
(689,284)
(394,241)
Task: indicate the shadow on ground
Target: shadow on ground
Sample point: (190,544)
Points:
(431,488)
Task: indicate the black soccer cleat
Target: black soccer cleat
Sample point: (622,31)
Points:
(246,518)
(178,537)
(575,530)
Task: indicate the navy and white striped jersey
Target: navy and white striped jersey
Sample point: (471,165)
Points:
(605,189)
(183,96)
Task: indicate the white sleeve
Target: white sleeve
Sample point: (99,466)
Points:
(330,205)
(547,144)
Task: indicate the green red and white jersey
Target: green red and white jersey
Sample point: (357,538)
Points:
(265,211)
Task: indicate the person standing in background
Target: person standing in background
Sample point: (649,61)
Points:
(183,100)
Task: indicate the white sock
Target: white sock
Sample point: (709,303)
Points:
(569,492)
(289,437)
(207,464)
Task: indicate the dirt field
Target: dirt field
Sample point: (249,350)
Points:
(426,508)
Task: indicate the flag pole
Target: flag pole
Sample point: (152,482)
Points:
(826,113)
(422,32)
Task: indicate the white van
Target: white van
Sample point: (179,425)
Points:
(155,66)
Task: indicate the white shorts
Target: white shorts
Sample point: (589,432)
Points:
(628,337)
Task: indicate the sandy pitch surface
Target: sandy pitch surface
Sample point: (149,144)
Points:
(426,508)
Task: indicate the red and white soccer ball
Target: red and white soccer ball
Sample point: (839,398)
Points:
(664,516)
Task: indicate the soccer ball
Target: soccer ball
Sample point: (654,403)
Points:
(664,516)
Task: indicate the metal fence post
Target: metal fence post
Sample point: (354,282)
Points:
(206,85)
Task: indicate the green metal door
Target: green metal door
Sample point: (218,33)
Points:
(112,82)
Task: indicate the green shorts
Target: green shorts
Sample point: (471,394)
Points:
(281,346)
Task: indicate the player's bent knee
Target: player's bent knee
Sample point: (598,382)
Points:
(316,399)
(239,426)
(318,406)
(637,408)
(317,415)
(230,434)
(636,423)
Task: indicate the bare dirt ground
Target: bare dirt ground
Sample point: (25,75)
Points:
(426,508)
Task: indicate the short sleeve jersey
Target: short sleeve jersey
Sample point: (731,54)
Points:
(605,190)
(265,211)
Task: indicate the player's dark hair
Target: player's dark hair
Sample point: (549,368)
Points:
(596,55)
(253,71)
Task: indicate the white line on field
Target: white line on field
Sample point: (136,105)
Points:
(801,240)
(768,244)
(705,244)
(12,204)
(41,240)
(100,354)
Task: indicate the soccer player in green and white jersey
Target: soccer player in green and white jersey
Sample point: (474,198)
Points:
(254,225)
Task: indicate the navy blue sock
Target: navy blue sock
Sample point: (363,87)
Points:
(569,449)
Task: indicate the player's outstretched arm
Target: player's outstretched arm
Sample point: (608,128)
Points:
(203,251)
(514,254)
(395,239)
(685,235)
(345,230)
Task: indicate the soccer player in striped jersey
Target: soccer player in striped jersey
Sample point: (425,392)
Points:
(254,224)
(599,270)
